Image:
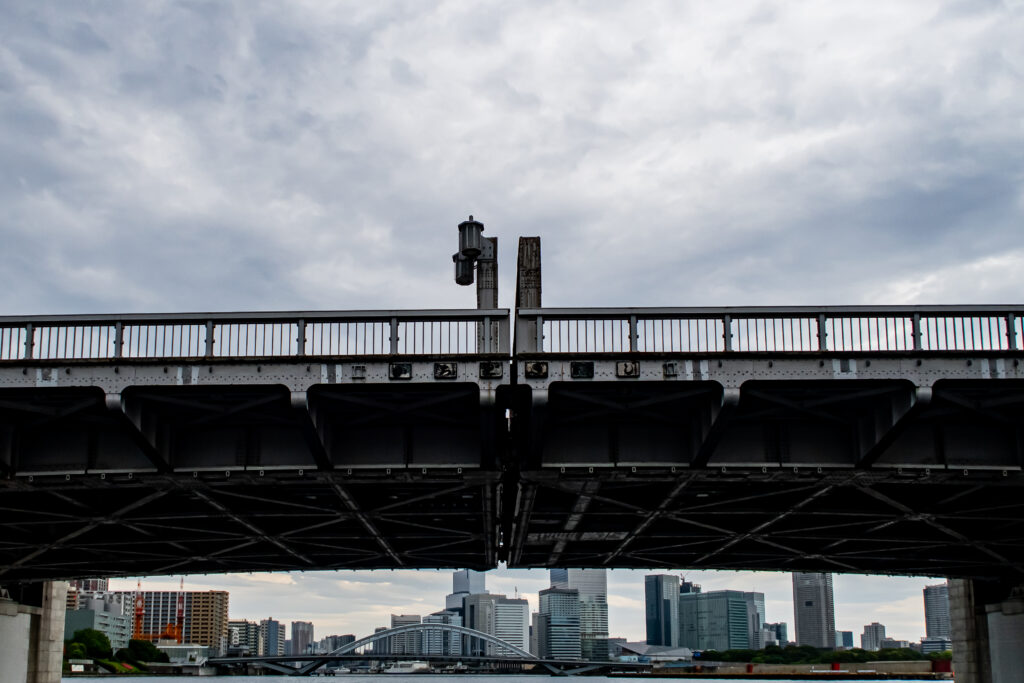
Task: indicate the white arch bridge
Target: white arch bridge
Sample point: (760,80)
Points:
(499,644)
(304,665)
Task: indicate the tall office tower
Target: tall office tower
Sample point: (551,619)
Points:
(559,624)
(496,615)
(661,606)
(243,637)
(302,637)
(442,642)
(721,620)
(776,634)
(814,610)
(405,643)
(205,617)
(512,622)
(874,634)
(379,647)
(592,585)
(755,619)
(271,637)
(464,582)
(535,634)
(844,640)
(936,611)
(469,581)
(332,643)
(779,632)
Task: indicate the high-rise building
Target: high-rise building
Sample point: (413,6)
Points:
(777,634)
(405,643)
(814,610)
(243,637)
(874,634)
(936,611)
(271,637)
(464,582)
(204,619)
(512,622)
(661,608)
(844,640)
(332,643)
(721,620)
(469,581)
(302,637)
(499,616)
(559,624)
(380,647)
(442,642)
(592,585)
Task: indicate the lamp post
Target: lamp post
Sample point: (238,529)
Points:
(480,252)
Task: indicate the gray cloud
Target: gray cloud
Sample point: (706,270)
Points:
(245,156)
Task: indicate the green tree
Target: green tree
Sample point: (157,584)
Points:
(145,651)
(96,643)
(76,651)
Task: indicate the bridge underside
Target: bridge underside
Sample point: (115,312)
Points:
(221,478)
(847,473)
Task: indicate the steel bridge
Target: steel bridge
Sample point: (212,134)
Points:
(504,653)
(875,440)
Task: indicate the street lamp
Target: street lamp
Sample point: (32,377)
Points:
(473,248)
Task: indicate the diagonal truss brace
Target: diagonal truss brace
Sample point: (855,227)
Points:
(905,409)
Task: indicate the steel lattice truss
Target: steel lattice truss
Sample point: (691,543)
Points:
(163,524)
(936,524)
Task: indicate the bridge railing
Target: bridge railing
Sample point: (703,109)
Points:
(255,335)
(763,329)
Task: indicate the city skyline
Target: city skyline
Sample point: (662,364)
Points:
(372,596)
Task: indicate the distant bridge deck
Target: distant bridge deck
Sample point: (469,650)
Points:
(862,439)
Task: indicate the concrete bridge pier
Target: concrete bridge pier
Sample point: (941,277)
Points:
(987,619)
(32,632)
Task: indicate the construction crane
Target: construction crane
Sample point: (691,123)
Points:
(173,631)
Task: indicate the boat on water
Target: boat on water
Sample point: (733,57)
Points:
(412,667)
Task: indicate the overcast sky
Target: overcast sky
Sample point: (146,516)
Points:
(170,156)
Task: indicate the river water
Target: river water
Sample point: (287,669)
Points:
(399,678)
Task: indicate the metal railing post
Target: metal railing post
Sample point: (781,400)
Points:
(539,341)
(727,332)
(633,337)
(209,337)
(118,339)
(29,340)
(822,333)
(393,337)
(487,334)
(1011,331)
(916,331)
